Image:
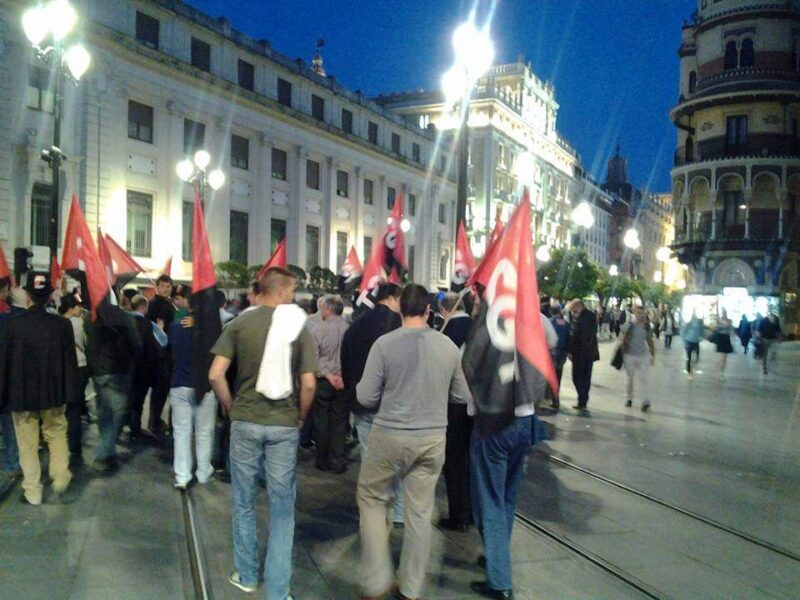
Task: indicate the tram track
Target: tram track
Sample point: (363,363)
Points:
(197,562)
(674,507)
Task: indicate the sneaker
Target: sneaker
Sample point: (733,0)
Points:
(180,486)
(34,499)
(107,466)
(646,407)
(629,403)
(235,581)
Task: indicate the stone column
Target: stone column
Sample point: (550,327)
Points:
(748,199)
(328,200)
(712,194)
(357,220)
(261,225)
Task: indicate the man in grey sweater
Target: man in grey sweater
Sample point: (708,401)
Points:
(410,375)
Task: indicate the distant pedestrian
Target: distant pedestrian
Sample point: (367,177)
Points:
(583,350)
(39,347)
(722,339)
(154,342)
(668,326)
(768,333)
(744,332)
(10,453)
(692,333)
(161,311)
(73,312)
(409,377)
(561,349)
(638,350)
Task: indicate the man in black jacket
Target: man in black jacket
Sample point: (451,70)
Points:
(152,349)
(38,371)
(583,350)
(161,312)
(112,347)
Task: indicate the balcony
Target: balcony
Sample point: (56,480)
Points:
(756,146)
(763,227)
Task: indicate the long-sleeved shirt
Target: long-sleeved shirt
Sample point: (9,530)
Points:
(328,335)
(410,376)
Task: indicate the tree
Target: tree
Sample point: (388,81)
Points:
(322,280)
(302,278)
(233,274)
(568,274)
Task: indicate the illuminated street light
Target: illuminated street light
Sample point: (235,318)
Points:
(613,270)
(543,253)
(582,215)
(631,239)
(663,254)
(47,28)
(405,225)
(192,172)
(657,276)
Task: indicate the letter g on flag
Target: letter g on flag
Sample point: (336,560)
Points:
(501,294)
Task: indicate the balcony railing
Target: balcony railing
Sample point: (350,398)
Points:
(756,145)
(763,224)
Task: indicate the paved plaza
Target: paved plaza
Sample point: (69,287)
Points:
(727,450)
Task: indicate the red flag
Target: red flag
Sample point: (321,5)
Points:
(479,274)
(394,239)
(394,277)
(80,254)
(352,267)
(497,232)
(464,261)
(149,292)
(507,361)
(55,273)
(4,270)
(203,275)
(373,273)
(167,270)
(278,258)
(105,257)
(123,265)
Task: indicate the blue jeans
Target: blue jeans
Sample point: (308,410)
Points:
(363,428)
(10,449)
(497,468)
(189,416)
(112,406)
(277,448)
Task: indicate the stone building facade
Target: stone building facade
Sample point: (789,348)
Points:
(303,156)
(736,178)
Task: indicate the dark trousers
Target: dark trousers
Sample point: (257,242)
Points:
(582,378)
(158,397)
(73,411)
(667,340)
(331,411)
(139,389)
(456,464)
(690,348)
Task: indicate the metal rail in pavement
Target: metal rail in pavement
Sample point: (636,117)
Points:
(197,563)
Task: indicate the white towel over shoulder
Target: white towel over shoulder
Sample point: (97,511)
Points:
(275,373)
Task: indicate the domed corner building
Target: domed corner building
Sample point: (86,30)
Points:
(736,176)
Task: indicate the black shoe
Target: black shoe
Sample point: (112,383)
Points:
(482,561)
(450,525)
(629,403)
(339,470)
(480,587)
(107,466)
(307,445)
(322,467)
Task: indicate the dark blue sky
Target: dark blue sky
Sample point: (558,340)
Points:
(614,62)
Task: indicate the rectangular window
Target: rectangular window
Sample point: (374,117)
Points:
(140,122)
(239,236)
(312,174)
(277,231)
(442,214)
(342,183)
(412,255)
(367,248)
(416,154)
(40,214)
(317,107)
(372,132)
(412,205)
(194,136)
(369,190)
(278,164)
(442,164)
(39,95)
(391,193)
(140,223)
(312,247)
(395,143)
(147,30)
(187,224)
(201,54)
(341,248)
(736,134)
(246,75)
(347,121)
(284,92)
(240,152)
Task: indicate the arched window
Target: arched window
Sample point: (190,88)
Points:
(747,56)
(731,56)
(692,81)
(689,149)
(685,222)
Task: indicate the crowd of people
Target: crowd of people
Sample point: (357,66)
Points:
(390,377)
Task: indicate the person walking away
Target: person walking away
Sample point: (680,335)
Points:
(637,343)
(409,377)
(583,350)
(559,353)
(356,345)
(10,453)
(331,408)
(722,339)
(275,385)
(621,318)
(744,332)
(668,327)
(38,371)
(692,333)
(768,333)
(161,312)
(456,327)
(154,341)
(112,348)
(189,413)
(71,310)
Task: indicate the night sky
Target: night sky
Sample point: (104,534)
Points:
(613,62)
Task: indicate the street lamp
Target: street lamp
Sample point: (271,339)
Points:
(47,28)
(613,270)
(631,241)
(662,256)
(543,253)
(196,171)
(582,218)
(474,54)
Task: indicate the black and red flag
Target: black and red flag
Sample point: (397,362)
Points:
(506,360)
(5,272)
(205,307)
(351,273)
(167,270)
(124,268)
(278,259)
(464,265)
(81,260)
(388,260)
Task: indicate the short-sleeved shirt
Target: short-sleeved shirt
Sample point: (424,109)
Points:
(243,341)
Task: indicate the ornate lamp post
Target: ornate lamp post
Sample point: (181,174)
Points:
(632,242)
(195,171)
(582,219)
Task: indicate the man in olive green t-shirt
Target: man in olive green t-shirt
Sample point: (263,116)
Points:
(263,429)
